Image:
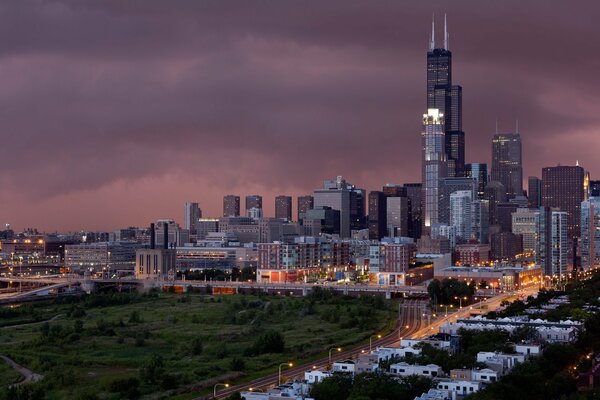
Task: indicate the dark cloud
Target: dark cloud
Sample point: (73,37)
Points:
(104,102)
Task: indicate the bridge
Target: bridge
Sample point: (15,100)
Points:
(46,283)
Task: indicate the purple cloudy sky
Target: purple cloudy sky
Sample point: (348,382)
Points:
(114,113)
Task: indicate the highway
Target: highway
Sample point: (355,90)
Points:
(410,325)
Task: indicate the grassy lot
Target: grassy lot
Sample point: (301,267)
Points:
(117,346)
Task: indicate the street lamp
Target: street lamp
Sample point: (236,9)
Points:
(371,341)
(332,349)
(226,385)
(289,364)
(460,299)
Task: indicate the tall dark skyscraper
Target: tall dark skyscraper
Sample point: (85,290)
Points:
(595,188)
(283,207)
(377,215)
(447,98)
(305,203)
(231,206)
(253,201)
(507,167)
(565,187)
(534,192)
(414,193)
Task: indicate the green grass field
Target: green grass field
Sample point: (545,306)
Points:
(171,346)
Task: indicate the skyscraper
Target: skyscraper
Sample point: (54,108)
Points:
(461,214)
(594,188)
(447,98)
(253,201)
(191,215)
(507,167)
(479,172)
(434,165)
(414,193)
(449,186)
(305,203)
(393,190)
(231,206)
(552,251)
(397,216)
(283,207)
(564,187)
(347,199)
(590,238)
(377,215)
(534,192)
(495,193)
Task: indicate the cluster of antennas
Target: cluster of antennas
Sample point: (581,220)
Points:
(432,38)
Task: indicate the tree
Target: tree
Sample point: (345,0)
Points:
(336,387)
(269,342)
(152,371)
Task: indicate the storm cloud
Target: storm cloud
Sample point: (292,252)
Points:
(114,113)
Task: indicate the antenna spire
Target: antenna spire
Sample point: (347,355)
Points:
(432,41)
(517,126)
(496,125)
(445,33)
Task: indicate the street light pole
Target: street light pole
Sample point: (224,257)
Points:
(226,385)
(330,350)
(371,341)
(281,365)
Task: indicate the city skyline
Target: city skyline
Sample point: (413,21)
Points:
(108,136)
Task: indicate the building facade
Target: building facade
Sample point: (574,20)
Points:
(231,206)
(507,167)
(283,207)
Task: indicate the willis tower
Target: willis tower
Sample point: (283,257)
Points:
(447,98)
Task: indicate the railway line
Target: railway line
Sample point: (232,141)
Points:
(409,322)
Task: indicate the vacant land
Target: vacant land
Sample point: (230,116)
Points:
(113,346)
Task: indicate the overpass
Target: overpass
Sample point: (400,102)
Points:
(290,288)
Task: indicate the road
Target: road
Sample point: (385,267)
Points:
(29,376)
(409,323)
(491,304)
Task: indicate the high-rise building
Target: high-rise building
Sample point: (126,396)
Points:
(335,196)
(414,193)
(322,219)
(495,193)
(478,171)
(564,187)
(449,186)
(231,206)
(534,192)
(283,207)
(377,215)
(504,212)
(191,215)
(507,167)
(525,222)
(461,214)
(553,243)
(358,214)
(447,98)
(481,220)
(305,203)
(434,165)
(394,190)
(397,216)
(594,188)
(253,201)
(590,233)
